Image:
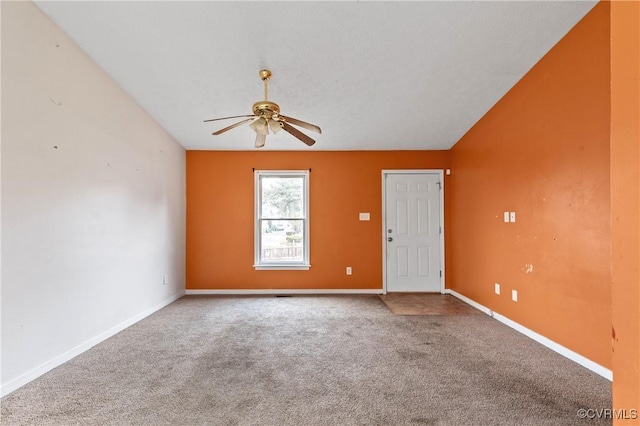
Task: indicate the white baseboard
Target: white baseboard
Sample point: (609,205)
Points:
(7,388)
(282,291)
(471,302)
(567,353)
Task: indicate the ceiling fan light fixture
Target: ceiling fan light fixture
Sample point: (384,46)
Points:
(275,126)
(260,140)
(260,126)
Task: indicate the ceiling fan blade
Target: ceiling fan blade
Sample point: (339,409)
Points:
(233,126)
(226,118)
(297,133)
(260,140)
(302,124)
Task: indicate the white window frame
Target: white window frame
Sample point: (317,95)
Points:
(299,265)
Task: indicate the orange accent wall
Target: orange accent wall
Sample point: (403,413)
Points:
(543,152)
(220,214)
(625,202)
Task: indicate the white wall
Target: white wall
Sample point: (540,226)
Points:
(93,202)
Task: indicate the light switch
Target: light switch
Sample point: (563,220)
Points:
(506,216)
(514,295)
(497,288)
(448,172)
(365,216)
(513,216)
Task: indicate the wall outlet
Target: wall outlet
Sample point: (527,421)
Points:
(514,295)
(506,216)
(165,280)
(512,216)
(348,270)
(497,288)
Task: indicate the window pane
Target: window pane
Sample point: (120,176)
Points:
(282,197)
(282,241)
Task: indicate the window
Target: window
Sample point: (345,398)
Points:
(281,219)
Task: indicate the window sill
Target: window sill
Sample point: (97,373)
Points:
(282,267)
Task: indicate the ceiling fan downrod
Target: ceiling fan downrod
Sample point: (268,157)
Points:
(265,75)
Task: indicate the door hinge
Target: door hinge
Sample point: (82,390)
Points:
(440,274)
(441,229)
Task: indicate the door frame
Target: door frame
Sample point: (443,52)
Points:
(440,173)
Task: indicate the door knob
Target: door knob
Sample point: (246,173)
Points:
(389,239)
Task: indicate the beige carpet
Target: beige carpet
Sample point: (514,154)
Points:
(426,304)
(332,360)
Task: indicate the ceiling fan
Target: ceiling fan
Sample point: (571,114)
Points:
(266,115)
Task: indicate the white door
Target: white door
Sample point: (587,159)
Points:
(412,232)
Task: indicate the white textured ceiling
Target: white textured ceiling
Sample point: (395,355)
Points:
(372,75)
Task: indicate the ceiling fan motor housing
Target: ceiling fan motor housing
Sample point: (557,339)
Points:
(266,109)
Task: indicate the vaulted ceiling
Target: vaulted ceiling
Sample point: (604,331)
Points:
(372,75)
